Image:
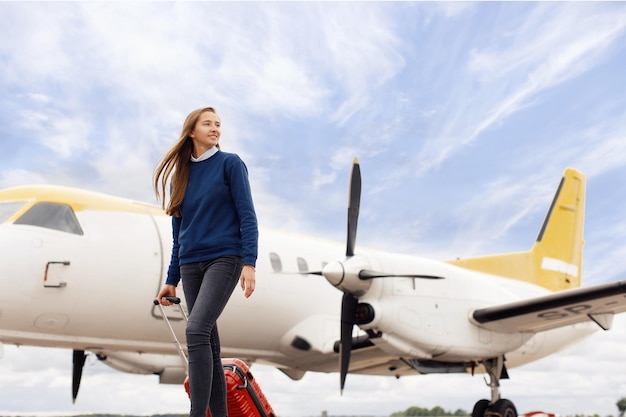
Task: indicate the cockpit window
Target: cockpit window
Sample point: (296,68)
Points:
(8,209)
(52,216)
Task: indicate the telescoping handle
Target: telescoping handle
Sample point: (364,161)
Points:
(174,300)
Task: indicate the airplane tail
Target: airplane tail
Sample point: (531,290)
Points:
(555,260)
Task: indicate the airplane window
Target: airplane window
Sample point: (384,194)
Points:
(7,209)
(302,265)
(52,216)
(277,265)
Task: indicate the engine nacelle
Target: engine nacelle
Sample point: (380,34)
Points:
(412,320)
(170,368)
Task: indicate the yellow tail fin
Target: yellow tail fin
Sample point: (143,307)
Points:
(555,260)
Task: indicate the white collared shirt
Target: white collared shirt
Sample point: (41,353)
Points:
(205,155)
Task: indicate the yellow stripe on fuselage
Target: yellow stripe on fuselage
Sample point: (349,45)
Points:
(79,200)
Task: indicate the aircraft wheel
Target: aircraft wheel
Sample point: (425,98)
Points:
(504,408)
(479,408)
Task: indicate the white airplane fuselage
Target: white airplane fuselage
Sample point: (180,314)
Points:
(94,291)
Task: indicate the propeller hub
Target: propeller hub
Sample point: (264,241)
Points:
(334,272)
(345,275)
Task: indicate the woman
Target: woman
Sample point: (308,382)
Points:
(215,241)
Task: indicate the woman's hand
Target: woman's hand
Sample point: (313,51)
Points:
(166,291)
(248,280)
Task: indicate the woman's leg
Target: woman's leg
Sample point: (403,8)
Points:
(217,402)
(207,287)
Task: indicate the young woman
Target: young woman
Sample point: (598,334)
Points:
(215,241)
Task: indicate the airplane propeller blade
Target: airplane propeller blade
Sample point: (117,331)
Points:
(349,302)
(348,311)
(366,274)
(78,362)
(354,203)
(300,273)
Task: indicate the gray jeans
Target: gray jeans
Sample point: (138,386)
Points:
(207,286)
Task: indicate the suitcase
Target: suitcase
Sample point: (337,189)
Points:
(244,396)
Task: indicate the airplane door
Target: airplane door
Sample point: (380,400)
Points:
(164,229)
(108,270)
(163,226)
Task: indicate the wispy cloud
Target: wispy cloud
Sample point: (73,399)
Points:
(510,74)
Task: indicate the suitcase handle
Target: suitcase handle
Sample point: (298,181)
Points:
(243,377)
(176,301)
(173,300)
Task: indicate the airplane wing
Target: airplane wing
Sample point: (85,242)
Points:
(597,303)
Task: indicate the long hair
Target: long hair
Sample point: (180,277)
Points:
(175,164)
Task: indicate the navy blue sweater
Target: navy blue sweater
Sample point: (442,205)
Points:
(217,215)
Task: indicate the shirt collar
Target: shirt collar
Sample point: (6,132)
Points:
(205,155)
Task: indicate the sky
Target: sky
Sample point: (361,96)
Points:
(463,116)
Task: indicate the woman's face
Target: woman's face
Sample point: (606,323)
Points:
(206,133)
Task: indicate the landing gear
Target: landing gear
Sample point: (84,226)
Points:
(497,407)
(504,408)
(480,408)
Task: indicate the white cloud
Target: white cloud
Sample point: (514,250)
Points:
(13,178)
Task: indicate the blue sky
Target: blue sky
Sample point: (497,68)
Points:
(463,116)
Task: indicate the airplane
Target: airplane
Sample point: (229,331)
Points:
(82,270)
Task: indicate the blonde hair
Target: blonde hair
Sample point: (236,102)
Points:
(175,164)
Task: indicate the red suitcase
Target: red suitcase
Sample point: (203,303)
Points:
(244,396)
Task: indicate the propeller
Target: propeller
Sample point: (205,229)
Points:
(350,277)
(78,362)
(349,301)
